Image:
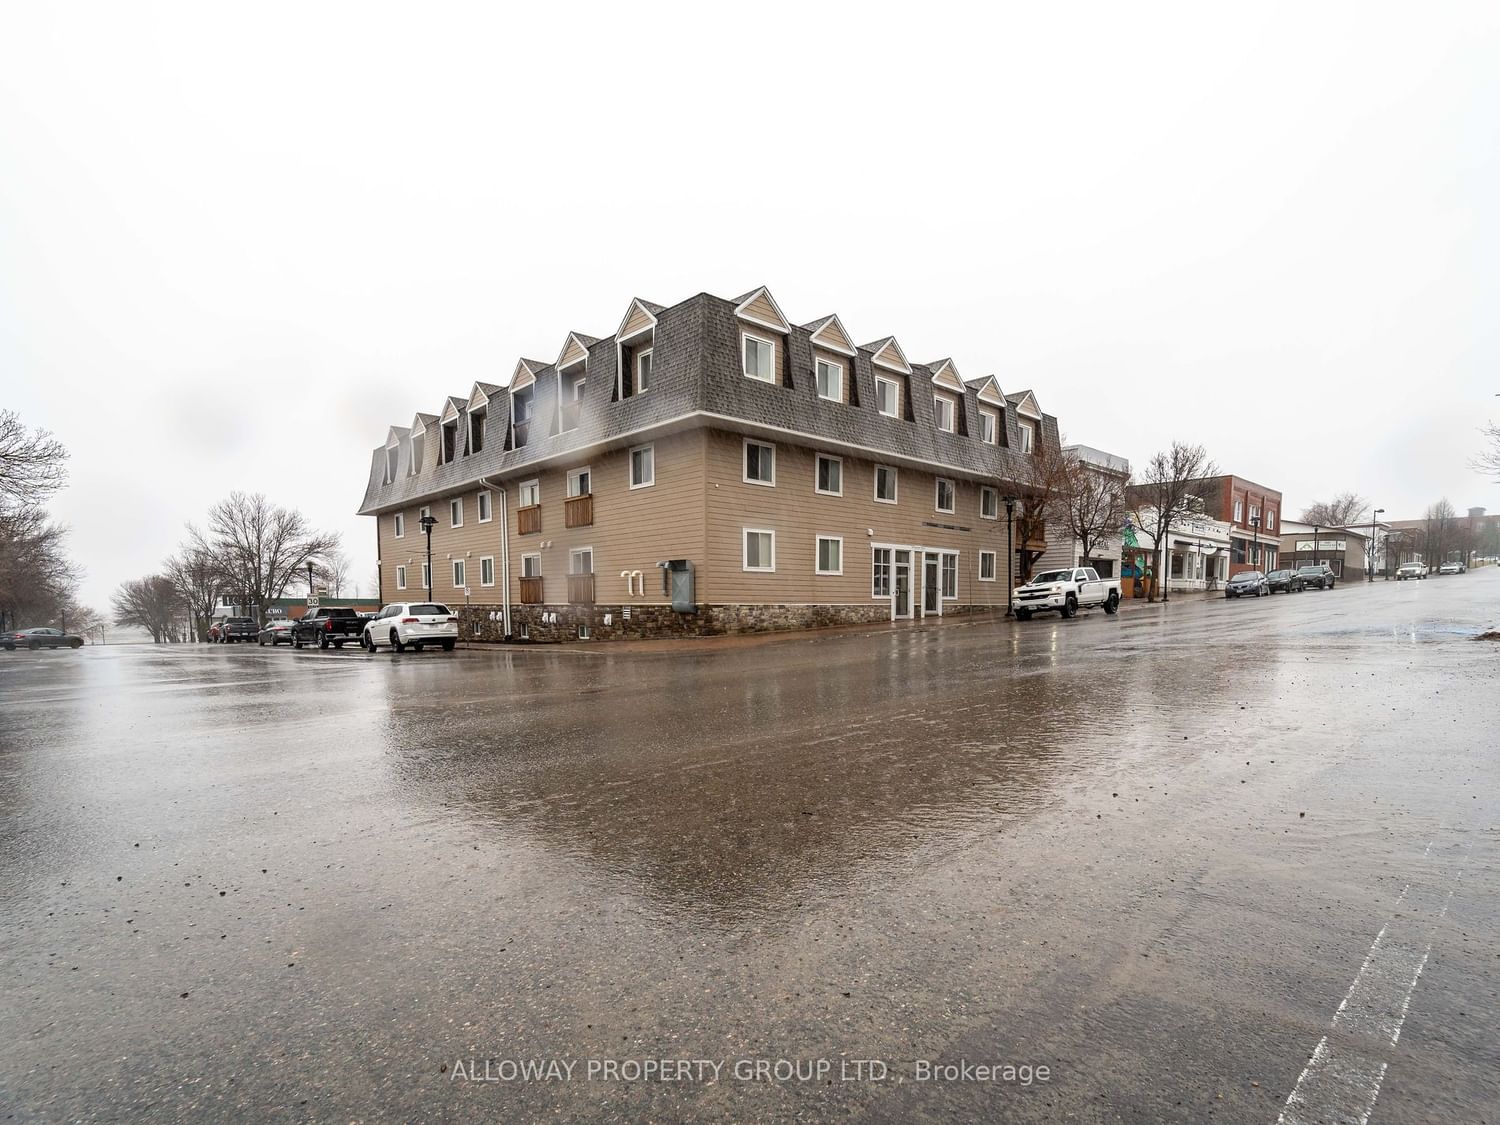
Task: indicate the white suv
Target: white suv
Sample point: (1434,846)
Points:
(413,624)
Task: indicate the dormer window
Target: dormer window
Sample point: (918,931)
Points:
(943,408)
(450,441)
(989,427)
(830,379)
(760,358)
(571,383)
(391,456)
(888,397)
(476,432)
(643,371)
(1028,437)
(521,406)
(416,454)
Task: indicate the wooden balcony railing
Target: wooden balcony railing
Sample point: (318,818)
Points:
(580,589)
(531,591)
(529,519)
(578,511)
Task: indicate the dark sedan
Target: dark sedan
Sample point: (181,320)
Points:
(1246,584)
(39,638)
(1285,582)
(1321,576)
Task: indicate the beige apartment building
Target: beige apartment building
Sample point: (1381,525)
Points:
(709,468)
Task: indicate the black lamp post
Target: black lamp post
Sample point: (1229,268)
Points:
(1254,541)
(1376,512)
(428,522)
(1010,553)
(1316,530)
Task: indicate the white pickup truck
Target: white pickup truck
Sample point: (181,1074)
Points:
(1066,591)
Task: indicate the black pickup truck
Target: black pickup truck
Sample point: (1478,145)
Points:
(233,630)
(324,627)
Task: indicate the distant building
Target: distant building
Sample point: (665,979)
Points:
(1197,553)
(290,609)
(1253,512)
(1104,555)
(1345,549)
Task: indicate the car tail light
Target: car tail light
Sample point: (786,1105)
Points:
(328,625)
(410,620)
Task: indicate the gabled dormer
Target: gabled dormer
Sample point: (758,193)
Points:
(572,374)
(419,427)
(892,378)
(948,397)
(833,354)
(523,400)
(635,349)
(451,429)
(990,427)
(1028,420)
(479,415)
(394,439)
(763,335)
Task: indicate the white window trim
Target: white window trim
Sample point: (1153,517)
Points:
(456,563)
(531,555)
(994,565)
(573,553)
(424,511)
(995,421)
(942,558)
(986,490)
(895,384)
(818,543)
(952,413)
(401,578)
(1028,437)
(1239,508)
(644,353)
(457,503)
(426,577)
(838,395)
(573,475)
(895,480)
(398,525)
(630,466)
(521,490)
(486,559)
(489,502)
(891,550)
(937,486)
(745,532)
(744,367)
(827,457)
(745,459)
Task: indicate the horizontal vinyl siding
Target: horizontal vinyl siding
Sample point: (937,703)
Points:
(633,529)
(469,543)
(639,319)
(798,515)
(761,309)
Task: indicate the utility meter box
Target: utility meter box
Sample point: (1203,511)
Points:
(679,578)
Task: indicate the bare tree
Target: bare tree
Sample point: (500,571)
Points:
(262,546)
(1091,501)
(1170,480)
(1438,535)
(1488,460)
(199,576)
(33,464)
(334,571)
(1043,482)
(1344,510)
(150,603)
(83,620)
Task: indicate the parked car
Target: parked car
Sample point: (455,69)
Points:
(1285,581)
(39,638)
(1320,575)
(326,627)
(213,633)
(276,633)
(1066,592)
(1247,584)
(1451,568)
(1410,570)
(232,630)
(414,624)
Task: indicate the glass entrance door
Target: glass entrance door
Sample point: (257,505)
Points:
(932,588)
(903,584)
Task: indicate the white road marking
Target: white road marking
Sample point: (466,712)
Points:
(1340,1083)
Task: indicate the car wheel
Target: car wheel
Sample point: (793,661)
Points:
(448,646)
(366,641)
(396,645)
(75,644)
(296,641)
(1112,604)
(323,640)
(1070,606)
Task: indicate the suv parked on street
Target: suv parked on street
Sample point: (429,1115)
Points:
(326,627)
(1247,584)
(414,624)
(1321,576)
(1066,591)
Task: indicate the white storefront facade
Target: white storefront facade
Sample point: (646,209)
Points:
(1197,553)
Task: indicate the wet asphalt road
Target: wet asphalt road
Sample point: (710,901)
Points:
(1148,852)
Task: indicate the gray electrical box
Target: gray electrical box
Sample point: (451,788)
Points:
(679,576)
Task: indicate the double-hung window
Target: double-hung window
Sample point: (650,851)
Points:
(760,549)
(880,572)
(643,371)
(887,397)
(483,504)
(989,427)
(643,466)
(986,566)
(401,578)
(580,482)
(529,494)
(760,462)
(989,503)
(456,512)
(950,575)
(399,524)
(885,484)
(830,554)
(459,574)
(942,407)
(487,570)
(830,380)
(760,359)
(830,476)
(943,501)
(1028,437)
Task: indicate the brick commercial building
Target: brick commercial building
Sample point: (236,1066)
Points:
(1253,513)
(709,468)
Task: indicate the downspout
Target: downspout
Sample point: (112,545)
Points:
(504,557)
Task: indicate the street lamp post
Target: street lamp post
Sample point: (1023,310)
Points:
(428,522)
(1254,540)
(1376,512)
(1316,531)
(1010,552)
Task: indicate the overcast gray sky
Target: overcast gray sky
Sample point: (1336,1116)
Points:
(238,242)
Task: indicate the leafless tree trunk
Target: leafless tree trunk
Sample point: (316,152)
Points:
(150,603)
(33,464)
(199,576)
(1042,488)
(263,547)
(1092,501)
(37,579)
(1439,524)
(1344,510)
(333,572)
(1169,481)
